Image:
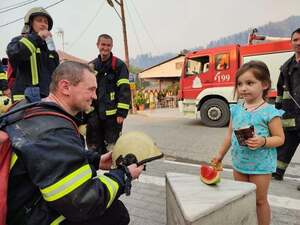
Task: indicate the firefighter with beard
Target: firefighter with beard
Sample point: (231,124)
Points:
(288,92)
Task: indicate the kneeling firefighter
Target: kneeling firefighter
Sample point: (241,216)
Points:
(43,193)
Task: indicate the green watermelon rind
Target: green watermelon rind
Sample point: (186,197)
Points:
(214,180)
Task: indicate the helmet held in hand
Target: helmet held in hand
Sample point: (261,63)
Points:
(134,147)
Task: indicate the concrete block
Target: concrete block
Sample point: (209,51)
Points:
(190,202)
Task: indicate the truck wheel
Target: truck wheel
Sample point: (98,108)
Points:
(215,113)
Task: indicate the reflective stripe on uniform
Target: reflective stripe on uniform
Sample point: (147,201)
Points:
(111,112)
(122,81)
(67,184)
(112,96)
(289,122)
(123,106)
(112,187)
(58,220)
(3,76)
(286,95)
(282,165)
(13,160)
(33,62)
(18,97)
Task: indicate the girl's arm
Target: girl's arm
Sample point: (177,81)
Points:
(225,146)
(275,140)
(277,134)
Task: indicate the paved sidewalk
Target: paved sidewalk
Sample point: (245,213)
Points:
(161,113)
(147,202)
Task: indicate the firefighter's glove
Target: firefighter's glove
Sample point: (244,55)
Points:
(128,179)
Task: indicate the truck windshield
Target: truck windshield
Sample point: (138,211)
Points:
(197,65)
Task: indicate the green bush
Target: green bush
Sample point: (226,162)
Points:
(139,99)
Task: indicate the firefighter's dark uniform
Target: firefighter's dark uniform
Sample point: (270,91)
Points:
(33,64)
(3,79)
(288,93)
(53,178)
(113,99)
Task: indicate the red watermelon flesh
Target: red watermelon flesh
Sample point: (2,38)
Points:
(209,175)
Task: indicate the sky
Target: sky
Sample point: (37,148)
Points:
(153,26)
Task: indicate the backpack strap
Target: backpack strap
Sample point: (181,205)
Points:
(39,111)
(114,63)
(29,111)
(10,76)
(34,109)
(5,158)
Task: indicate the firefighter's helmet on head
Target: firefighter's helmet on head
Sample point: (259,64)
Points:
(134,147)
(36,11)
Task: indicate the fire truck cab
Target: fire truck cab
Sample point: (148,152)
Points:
(208,76)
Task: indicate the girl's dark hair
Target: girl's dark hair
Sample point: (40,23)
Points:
(260,71)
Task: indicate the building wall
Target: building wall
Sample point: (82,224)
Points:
(169,69)
(161,84)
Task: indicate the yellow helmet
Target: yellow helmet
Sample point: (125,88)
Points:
(5,103)
(36,11)
(134,147)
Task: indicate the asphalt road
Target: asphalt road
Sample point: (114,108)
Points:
(186,144)
(187,140)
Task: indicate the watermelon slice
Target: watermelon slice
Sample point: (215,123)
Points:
(209,174)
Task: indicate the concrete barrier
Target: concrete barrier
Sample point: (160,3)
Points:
(190,202)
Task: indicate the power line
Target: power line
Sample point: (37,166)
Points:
(136,36)
(88,25)
(14,5)
(55,3)
(3,25)
(14,21)
(143,24)
(117,12)
(17,6)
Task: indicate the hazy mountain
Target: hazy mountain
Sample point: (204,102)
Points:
(147,60)
(276,29)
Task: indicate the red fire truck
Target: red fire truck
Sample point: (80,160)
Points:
(207,80)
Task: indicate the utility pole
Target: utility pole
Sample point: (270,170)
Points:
(122,17)
(124,33)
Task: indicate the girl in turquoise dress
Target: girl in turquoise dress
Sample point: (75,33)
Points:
(256,161)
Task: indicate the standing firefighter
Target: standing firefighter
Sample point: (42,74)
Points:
(32,61)
(113,97)
(288,99)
